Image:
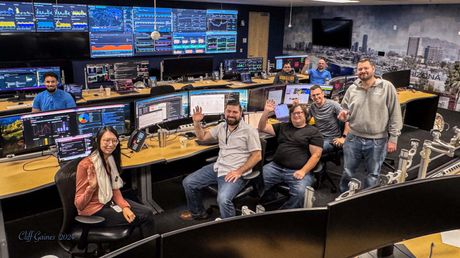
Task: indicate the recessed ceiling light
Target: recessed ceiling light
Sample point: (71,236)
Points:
(337,1)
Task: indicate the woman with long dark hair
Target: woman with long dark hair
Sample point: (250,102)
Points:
(98,186)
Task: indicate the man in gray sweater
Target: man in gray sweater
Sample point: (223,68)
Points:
(372,109)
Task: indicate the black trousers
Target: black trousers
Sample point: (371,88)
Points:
(144,218)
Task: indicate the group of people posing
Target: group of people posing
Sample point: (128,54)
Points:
(372,122)
(371,117)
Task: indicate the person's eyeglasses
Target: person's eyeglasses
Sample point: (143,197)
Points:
(297,113)
(108,141)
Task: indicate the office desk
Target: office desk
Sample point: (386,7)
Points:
(39,173)
(420,247)
(94,95)
(419,108)
(15,181)
(201,84)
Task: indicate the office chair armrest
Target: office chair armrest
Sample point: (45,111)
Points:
(252,175)
(89,219)
(211,159)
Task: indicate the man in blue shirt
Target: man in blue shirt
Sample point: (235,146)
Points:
(319,75)
(52,98)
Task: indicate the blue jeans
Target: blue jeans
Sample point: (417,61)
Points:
(327,145)
(195,182)
(274,174)
(354,150)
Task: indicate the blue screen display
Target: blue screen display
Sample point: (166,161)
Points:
(16,79)
(16,17)
(143,22)
(62,17)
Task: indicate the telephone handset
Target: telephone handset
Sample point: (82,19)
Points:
(264,75)
(136,140)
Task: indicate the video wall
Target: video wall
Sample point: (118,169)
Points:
(122,31)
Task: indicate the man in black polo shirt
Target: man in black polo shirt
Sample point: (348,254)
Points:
(299,150)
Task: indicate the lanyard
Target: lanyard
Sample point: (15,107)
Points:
(227,135)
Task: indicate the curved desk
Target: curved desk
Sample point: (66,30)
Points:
(420,108)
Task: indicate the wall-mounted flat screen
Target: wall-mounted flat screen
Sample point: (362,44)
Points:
(332,32)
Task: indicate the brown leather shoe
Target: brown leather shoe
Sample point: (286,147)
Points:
(186,215)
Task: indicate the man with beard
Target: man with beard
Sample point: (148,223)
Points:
(319,75)
(239,152)
(52,98)
(299,150)
(285,76)
(372,109)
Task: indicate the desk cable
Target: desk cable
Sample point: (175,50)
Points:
(27,163)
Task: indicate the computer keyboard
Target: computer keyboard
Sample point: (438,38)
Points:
(19,106)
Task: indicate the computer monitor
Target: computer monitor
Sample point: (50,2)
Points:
(213,101)
(400,79)
(190,66)
(288,233)
(25,79)
(74,147)
(296,62)
(243,65)
(161,109)
(387,215)
(41,129)
(301,92)
(91,119)
(258,96)
(11,137)
(106,73)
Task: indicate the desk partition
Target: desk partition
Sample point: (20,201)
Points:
(289,233)
(390,214)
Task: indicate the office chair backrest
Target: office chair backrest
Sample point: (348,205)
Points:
(259,181)
(65,180)
(161,90)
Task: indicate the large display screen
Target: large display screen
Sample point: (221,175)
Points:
(124,31)
(61,17)
(16,17)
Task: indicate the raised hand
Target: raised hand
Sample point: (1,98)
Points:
(343,115)
(197,114)
(269,105)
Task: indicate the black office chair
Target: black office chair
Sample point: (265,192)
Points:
(254,180)
(161,90)
(81,230)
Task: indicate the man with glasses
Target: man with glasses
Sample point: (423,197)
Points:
(325,112)
(299,150)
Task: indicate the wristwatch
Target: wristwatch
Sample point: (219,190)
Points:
(344,135)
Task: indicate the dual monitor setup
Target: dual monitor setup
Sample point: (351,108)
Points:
(24,80)
(71,129)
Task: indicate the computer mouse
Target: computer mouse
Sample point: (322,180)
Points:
(95,95)
(21,103)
